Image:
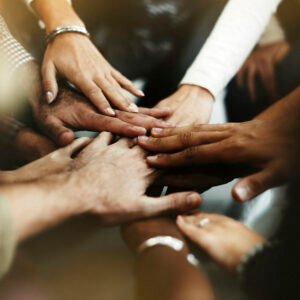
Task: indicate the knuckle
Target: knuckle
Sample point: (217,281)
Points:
(185,138)
(190,153)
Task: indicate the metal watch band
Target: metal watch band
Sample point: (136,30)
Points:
(66,29)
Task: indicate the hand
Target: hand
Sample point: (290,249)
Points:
(72,112)
(30,145)
(190,105)
(74,57)
(262,63)
(118,178)
(268,145)
(56,162)
(223,239)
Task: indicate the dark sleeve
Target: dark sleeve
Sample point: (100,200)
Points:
(273,273)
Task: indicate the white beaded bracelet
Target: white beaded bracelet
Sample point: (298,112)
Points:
(170,242)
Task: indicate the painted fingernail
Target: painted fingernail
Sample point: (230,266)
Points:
(141,93)
(133,108)
(243,193)
(49,97)
(143,139)
(156,131)
(193,199)
(140,130)
(152,158)
(110,111)
(180,219)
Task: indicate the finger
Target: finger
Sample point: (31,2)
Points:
(127,84)
(251,82)
(241,76)
(113,92)
(97,122)
(163,112)
(94,93)
(76,146)
(49,82)
(159,132)
(104,139)
(141,120)
(60,134)
(199,155)
(253,185)
(267,74)
(174,203)
(194,233)
(181,141)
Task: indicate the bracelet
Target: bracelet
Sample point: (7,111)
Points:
(163,240)
(67,29)
(170,242)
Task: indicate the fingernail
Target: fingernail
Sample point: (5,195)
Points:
(243,193)
(193,199)
(141,93)
(110,111)
(180,219)
(170,124)
(152,158)
(133,108)
(134,141)
(49,97)
(156,131)
(139,131)
(143,139)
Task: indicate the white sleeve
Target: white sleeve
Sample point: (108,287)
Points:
(236,33)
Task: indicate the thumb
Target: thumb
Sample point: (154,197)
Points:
(173,203)
(76,146)
(50,83)
(252,186)
(60,134)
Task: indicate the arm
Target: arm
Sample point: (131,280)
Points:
(163,273)
(233,38)
(90,72)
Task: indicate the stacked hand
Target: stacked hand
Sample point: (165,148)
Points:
(73,112)
(268,145)
(222,238)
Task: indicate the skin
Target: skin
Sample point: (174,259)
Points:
(91,73)
(163,273)
(268,146)
(82,115)
(262,64)
(190,104)
(114,201)
(223,239)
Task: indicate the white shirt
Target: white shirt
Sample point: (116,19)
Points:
(236,33)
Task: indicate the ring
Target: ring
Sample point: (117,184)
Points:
(203,222)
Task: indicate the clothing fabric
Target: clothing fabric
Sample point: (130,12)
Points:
(233,38)
(274,273)
(7,237)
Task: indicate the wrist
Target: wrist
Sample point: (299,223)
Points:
(56,13)
(39,205)
(196,91)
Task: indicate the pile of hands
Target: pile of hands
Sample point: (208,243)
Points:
(186,155)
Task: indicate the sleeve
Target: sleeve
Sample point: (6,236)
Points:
(12,53)
(273,273)
(236,33)
(7,237)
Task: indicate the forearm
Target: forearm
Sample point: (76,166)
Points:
(163,273)
(38,205)
(55,13)
(231,41)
